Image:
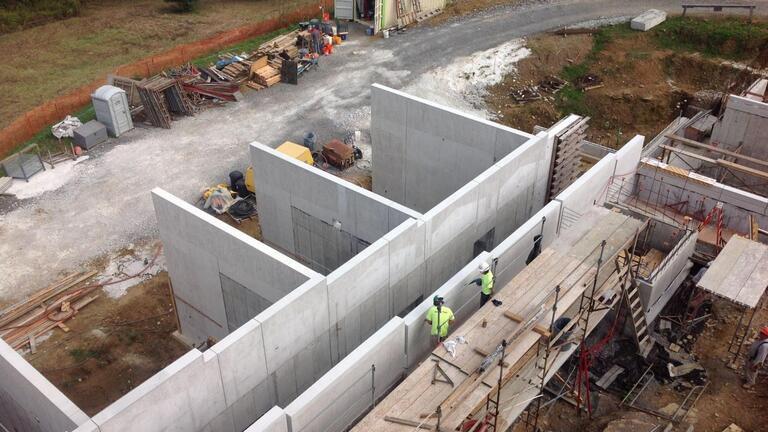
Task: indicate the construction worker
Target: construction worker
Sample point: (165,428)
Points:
(756,357)
(485,282)
(439,317)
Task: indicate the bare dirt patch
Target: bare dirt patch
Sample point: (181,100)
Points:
(113,345)
(641,87)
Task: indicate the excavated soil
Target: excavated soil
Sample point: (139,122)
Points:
(112,346)
(643,87)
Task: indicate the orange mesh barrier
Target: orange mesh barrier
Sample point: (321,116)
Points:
(27,125)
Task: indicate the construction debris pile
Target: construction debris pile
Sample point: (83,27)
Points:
(188,89)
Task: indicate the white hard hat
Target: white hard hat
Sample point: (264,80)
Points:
(484,267)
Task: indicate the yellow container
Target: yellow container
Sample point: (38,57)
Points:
(291,149)
(296,151)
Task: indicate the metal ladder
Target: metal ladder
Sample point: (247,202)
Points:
(638,388)
(543,351)
(639,322)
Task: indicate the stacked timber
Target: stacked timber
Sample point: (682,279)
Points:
(162,96)
(281,44)
(266,76)
(45,310)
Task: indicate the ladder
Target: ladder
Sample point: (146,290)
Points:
(491,419)
(637,389)
(544,348)
(639,322)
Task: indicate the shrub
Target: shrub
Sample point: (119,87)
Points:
(183,5)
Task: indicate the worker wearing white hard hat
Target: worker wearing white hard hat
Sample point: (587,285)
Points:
(485,281)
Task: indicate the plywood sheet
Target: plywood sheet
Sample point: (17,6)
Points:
(739,273)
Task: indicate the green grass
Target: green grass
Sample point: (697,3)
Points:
(47,142)
(730,38)
(19,14)
(245,46)
(571,100)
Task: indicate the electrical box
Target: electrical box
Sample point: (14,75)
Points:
(90,135)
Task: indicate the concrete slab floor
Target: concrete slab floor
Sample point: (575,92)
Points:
(107,203)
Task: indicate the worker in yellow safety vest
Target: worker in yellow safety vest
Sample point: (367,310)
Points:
(439,317)
(485,281)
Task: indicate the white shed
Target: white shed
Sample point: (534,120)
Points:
(386,14)
(111,105)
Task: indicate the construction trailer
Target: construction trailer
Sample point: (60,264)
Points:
(386,14)
(313,326)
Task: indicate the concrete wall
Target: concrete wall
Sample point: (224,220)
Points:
(274,420)
(660,187)
(462,296)
(423,152)
(743,125)
(665,280)
(500,199)
(221,276)
(343,394)
(29,402)
(334,207)
(185,396)
(513,252)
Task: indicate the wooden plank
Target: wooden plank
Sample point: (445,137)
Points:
(693,143)
(744,169)
(688,154)
(415,424)
(538,328)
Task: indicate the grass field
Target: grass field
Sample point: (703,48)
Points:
(43,62)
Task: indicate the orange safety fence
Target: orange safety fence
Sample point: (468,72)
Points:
(29,124)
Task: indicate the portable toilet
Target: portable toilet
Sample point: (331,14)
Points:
(112,109)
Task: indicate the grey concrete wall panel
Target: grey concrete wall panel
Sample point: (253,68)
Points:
(296,338)
(656,185)
(423,152)
(407,276)
(29,402)
(591,188)
(201,250)
(171,400)
(240,303)
(743,125)
(88,426)
(243,368)
(514,250)
(344,393)
(627,160)
(286,184)
(668,270)
(450,234)
(460,295)
(274,420)
(359,298)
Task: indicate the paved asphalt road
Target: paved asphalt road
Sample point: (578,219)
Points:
(107,205)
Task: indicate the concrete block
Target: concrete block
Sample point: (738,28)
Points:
(274,420)
(187,395)
(648,20)
(344,393)
(29,402)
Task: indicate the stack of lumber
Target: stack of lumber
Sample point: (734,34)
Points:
(522,319)
(237,72)
(264,73)
(21,323)
(281,44)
